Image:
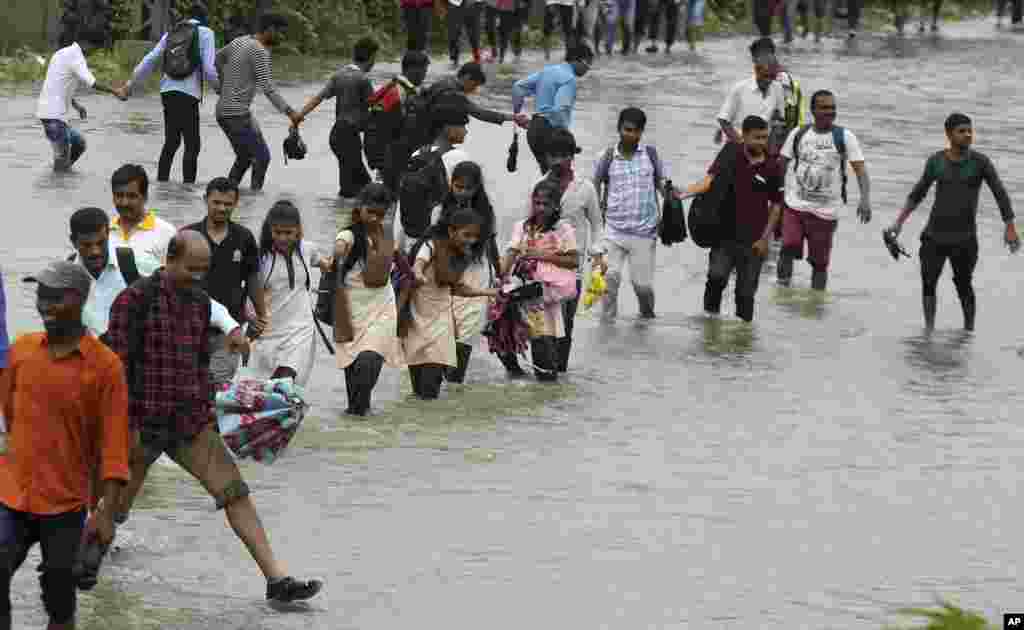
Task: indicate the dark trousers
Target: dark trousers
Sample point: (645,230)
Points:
(537,135)
(250,149)
(671,10)
(1017,9)
(644,9)
(347,146)
(564,14)
(459,18)
(569,316)
(426,380)
(457,374)
(853,8)
(417,27)
(963,257)
(763,17)
(181,121)
(722,260)
(59,536)
(360,379)
(544,352)
(504,27)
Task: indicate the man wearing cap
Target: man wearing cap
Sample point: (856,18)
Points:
(66,403)
(554,90)
(465,83)
(760,95)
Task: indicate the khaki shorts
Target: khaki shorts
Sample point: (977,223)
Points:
(203,456)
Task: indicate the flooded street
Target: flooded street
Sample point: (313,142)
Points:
(818,470)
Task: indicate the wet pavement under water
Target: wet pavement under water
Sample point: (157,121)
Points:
(819,469)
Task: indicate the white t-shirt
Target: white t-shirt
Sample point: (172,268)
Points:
(66,71)
(815,185)
(745,99)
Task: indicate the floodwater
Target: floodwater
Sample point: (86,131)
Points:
(819,469)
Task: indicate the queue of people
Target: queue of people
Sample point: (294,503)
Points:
(144,321)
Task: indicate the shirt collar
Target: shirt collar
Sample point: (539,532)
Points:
(147,224)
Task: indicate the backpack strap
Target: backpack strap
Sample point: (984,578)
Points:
(839,140)
(126,263)
(796,145)
(601,177)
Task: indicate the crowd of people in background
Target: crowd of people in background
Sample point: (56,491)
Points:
(145,320)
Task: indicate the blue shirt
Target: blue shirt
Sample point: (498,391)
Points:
(554,89)
(3,326)
(191,85)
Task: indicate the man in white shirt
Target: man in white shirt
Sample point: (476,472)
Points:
(818,155)
(90,236)
(67,70)
(760,95)
(135,226)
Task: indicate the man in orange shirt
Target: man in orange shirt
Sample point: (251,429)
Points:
(66,403)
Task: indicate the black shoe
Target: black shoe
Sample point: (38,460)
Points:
(289,589)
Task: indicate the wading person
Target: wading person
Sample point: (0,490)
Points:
(244,66)
(368,339)
(554,91)
(630,175)
(482,265)
(439,261)
(395,111)
(816,158)
(351,87)
(549,242)
(113,269)
(952,231)
(186,56)
(66,72)
(233,275)
(460,87)
(160,329)
(760,95)
(746,228)
(287,348)
(65,402)
(581,209)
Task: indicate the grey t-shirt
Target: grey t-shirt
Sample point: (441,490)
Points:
(352,88)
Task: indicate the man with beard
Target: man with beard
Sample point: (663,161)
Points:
(65,400)
(160,328)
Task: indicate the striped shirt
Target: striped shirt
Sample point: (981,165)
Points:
(244,66)
(632,201)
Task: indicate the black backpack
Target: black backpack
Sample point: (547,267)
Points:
(705,216)
(423,186)
(181,51)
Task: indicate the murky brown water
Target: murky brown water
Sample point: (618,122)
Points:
(816,471)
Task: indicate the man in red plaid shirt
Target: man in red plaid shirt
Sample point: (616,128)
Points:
(159,328)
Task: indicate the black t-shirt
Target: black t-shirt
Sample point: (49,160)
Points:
(232,263)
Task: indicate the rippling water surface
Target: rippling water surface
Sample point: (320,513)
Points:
(817,470)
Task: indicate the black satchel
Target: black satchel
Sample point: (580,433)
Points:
(704,217)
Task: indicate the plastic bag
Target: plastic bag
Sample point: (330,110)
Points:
(258,418)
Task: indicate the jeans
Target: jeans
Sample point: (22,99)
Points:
(59,536)
(360,378)
(626,9)
(722,260)
(565,15)
(468,18)
(181,120)
(68,145)
(347,146)
(250,149)
(417,27)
